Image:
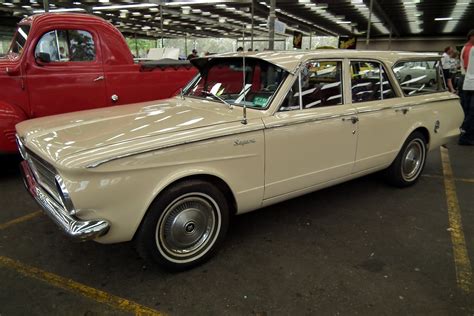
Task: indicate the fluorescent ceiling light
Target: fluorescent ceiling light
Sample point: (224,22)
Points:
(125,6)
(443,19)
(458,13)
(61,10)
(8,4)
(411,10)
(343,22)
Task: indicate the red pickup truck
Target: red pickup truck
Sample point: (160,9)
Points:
(61,63)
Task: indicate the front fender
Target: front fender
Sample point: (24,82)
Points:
(10,115)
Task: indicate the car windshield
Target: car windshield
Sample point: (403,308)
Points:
(222,79)
(19,41)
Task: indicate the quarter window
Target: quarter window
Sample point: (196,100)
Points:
(369,82)
(419,77)
(321,86)
(67,45)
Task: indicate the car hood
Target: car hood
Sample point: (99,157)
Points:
(117,129)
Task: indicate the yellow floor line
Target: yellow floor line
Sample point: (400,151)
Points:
(464,180)
(20,220)
(468,180)
(461,257)
(75,287)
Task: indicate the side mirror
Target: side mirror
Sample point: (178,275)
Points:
(43,58)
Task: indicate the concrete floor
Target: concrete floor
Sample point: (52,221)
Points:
(357,248)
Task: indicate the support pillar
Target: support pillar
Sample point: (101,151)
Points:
(271,19)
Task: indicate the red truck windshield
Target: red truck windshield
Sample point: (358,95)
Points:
(19,41)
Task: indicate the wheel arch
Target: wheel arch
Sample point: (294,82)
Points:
(426,133)
(214,179)
(418,127)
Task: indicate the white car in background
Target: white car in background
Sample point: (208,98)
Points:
(417,74)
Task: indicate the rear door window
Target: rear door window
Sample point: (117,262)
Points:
(369,82)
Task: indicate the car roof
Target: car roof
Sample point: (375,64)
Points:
(60,16)
(290,60)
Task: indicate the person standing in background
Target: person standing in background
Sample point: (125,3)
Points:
(193,54)
(446,63)
(467,64)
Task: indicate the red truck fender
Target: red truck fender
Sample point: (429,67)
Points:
(10,115)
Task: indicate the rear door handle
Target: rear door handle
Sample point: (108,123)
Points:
(404,110)
(99,78)
(353,119)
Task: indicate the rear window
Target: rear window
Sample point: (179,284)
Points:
(419,76)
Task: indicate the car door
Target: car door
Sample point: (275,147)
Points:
(312,138)
(383,116)
(65,73)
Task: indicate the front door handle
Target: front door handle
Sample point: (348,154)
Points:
(353,119)
(99,78)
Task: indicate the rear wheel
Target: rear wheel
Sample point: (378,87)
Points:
(184,226)
(407,167)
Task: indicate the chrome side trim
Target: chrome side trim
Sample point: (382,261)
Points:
(103,161)
(375,110)
(310,120)
(74,228)
(403,106)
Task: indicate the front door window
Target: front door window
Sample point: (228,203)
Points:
(67,45)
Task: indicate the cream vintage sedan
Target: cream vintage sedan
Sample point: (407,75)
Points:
(247,132)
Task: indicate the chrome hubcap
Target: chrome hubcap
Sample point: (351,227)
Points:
(413,160)
(188,226)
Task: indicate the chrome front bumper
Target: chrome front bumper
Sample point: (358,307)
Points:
(74,228)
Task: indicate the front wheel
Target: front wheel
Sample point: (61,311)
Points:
(184,226)
(407,167)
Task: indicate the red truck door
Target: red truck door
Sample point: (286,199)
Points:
(65,72)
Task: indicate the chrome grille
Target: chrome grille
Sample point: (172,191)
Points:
(44,174)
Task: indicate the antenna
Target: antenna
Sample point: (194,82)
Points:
(244,120)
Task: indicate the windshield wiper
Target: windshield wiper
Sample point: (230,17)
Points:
(218,98)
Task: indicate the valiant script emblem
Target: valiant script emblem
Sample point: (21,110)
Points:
(239,142)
